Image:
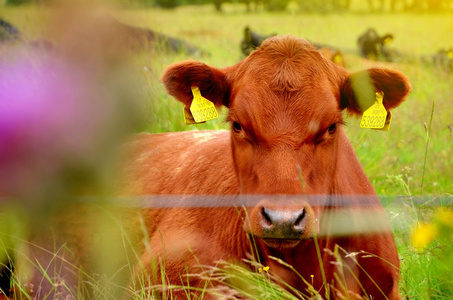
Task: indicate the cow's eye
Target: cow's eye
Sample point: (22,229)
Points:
(237,127)
(332,128)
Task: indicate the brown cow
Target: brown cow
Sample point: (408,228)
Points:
(285,109)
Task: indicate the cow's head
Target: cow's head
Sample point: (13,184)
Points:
(285,109)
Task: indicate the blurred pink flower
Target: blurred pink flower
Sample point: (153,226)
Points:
(52,114)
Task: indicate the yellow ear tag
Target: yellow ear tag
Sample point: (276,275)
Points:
(201,109)
(387,123)
(188,118)
(376,116)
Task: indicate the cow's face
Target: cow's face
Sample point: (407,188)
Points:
(284,134)
(285,109)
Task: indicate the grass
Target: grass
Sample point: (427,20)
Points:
(414,159)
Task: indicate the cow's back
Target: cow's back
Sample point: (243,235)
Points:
(185,163)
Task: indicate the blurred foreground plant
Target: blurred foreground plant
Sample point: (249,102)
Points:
(64,112)
(439,228)
(429,266)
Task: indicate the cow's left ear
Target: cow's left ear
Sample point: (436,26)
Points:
(180,77)
(359,89)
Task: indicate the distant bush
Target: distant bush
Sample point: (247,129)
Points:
(17,2)
(276,5)
(167,3)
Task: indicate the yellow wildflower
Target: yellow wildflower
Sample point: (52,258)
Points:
(264,269)
(423,234)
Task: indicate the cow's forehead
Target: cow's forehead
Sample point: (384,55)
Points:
(285,64)
(299,114)
(285,88)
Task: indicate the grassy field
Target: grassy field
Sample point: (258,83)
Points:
(410,166)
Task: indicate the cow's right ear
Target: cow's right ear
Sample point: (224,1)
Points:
(180,77)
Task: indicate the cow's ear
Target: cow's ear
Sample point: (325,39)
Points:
(359,89)
(180,77)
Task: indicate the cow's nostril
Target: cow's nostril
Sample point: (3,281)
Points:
(266,218)
(300,218)
(299,224)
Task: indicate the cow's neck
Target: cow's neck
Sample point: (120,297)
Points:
(305,260)
(232,230)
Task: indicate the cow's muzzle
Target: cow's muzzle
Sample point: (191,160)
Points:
(278,224)
(282,222)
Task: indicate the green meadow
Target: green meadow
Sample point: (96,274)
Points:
(410,166)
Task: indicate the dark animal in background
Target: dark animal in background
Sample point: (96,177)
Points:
(252,40)
(8,32)
(373,46)
(444,59)
(139,38)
